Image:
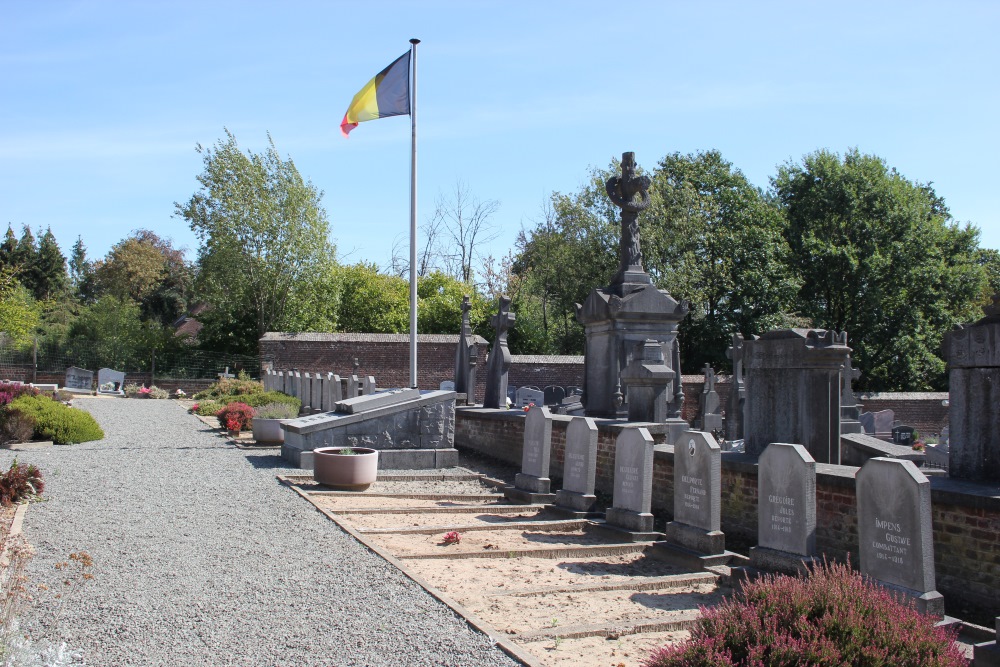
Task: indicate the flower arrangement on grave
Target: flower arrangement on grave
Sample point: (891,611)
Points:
(451,537)
(144,392)
(180,393)
(833,616)
(194,408)
(529,406)
(107,386)
(918,446)
(233,424)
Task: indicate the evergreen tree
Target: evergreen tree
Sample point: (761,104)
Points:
(8,248)
(23,255)
(49,268)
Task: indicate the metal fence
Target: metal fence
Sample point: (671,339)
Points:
(47,359)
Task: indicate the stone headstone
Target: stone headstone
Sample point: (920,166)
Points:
(793,390)
(306,393)
(711,417)
(945,438)
(883,421)
(525,396)
(647,379)
(499,360)
(867,420)
(903,435)
(633,485)
(786,509)
(579,466)
(353,386)
(697,495)
(296,384)
(973,355)
(332,392)
(849,409)
(447,385)
(532,484)
(368,385)
(110,382)
(463,360)
(79,379)
(316,394)
(553,394)
(894,530)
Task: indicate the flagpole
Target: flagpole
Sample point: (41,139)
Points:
(413,216)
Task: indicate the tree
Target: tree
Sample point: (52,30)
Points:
(8,249)
(263,238)
(439,305)
(19,313)
(880,257)
(150,271)
(373,302)
(49,269)
(465,223)
(110,333)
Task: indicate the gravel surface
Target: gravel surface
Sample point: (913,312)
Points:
(202,558)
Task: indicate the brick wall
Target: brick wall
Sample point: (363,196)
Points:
(965,516)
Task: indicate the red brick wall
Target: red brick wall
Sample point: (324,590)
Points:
(965,516)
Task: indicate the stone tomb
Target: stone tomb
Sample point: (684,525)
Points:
(786,510)
(79,379)
(695,537)
(532,484)
(894,530)
(110,382)
(630,515)
(412,429)
(576,497)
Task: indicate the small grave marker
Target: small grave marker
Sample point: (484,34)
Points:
(786,510)
(633,486)
(79,379)
(532,484)
(579,468)
(110,382)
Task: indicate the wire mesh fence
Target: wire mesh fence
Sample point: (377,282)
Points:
(48,359)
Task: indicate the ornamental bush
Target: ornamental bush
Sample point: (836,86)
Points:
(226,388)
(11,390)
(834,617)
(235,414)
(156,392)
(276,410)
(57,422)
(15,426)
(20,482)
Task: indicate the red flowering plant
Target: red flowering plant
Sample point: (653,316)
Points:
(235,414)
(451,537)
(194,408)
(529,406)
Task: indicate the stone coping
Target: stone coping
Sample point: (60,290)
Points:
(603,423)
(365,338)
(323,420)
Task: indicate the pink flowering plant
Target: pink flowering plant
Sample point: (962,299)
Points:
(452,537)
(144,392)
(833,617)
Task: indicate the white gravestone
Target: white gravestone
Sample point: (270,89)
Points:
(317,393)
(110,382)
(579,466)
(786,510)
(353,386)
(633,485)
(894,530)
(697,495)
(368,385)
(525,396)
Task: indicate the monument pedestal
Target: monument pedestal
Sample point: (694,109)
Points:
(773,560)
(530,490)
(628,525)
(574,505)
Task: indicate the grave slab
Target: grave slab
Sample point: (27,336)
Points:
(79,379)
(630,517)
(577,497)
(110,382)
(894,530)
(532,485)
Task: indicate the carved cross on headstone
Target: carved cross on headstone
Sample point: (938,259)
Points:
(463,354)
(499,362)
(737,391)
(629,192)
(710,378)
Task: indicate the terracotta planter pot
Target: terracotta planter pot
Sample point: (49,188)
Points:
(268,430)
(346,471)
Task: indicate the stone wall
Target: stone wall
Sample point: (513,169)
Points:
(966,516)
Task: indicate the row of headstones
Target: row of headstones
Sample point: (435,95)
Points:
(319,392)
(108,381)
(893,500)
(521,397)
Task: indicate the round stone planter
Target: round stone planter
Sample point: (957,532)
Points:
(355,471)
(268,430)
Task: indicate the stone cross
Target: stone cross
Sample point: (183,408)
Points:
(711,420)
(499,361)
(848,402)
(463,353)
(737,391)
(629,192)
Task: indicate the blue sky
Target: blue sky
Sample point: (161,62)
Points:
(102,103)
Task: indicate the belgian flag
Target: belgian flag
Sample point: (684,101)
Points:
(387,94)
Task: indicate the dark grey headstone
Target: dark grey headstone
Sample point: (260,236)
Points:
(884,420)
(580,467)
(79,379)
(903,435)
(786,492)
(698,481)
(499,360)
(894,529)
(554,394)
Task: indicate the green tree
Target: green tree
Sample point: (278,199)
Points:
(439,305)
(150,271)
(49,270)
(19,313)
(82,276)
(880,257)
(8,249)
(373,302)
(263,238)
(110,333)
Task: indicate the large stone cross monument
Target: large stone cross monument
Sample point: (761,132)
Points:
(619,318)
(499,360)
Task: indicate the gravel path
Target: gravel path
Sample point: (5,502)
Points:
(202,558)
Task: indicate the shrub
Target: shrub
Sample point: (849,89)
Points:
(11,390)
(20,482)
(208,408)
(156,392)
(132,390)
(15,426)
(238,415)
(59,423)
(275,410)
(229,387)
(832,617)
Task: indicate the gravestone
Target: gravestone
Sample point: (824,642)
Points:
(447,385)
(648,381)
(332,392)
(618,318)
(532,485)
(553,394)
(786,510)
(317,392)
(284,383)
(296,384)
(894,530)
(849,408)
(711,418)
(576,497)
(110,382)
(353,386)
(465,382)
(867,420)
(945,438)
(903,435)
(368,385)
(307,393)
(973,355)
(793,390)
(737,391)
(884,419)
(630,517)
(695,536)
(525,396)
(499,360)
(79,379)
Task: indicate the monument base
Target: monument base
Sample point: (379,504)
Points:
(986,654)
(571,503)
(675,428)
(388,459)
(694,560)
(930,603)
(628,525)
(529,490)
(785,562)
(705,542)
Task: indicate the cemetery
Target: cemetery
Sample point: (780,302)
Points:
(601,509)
